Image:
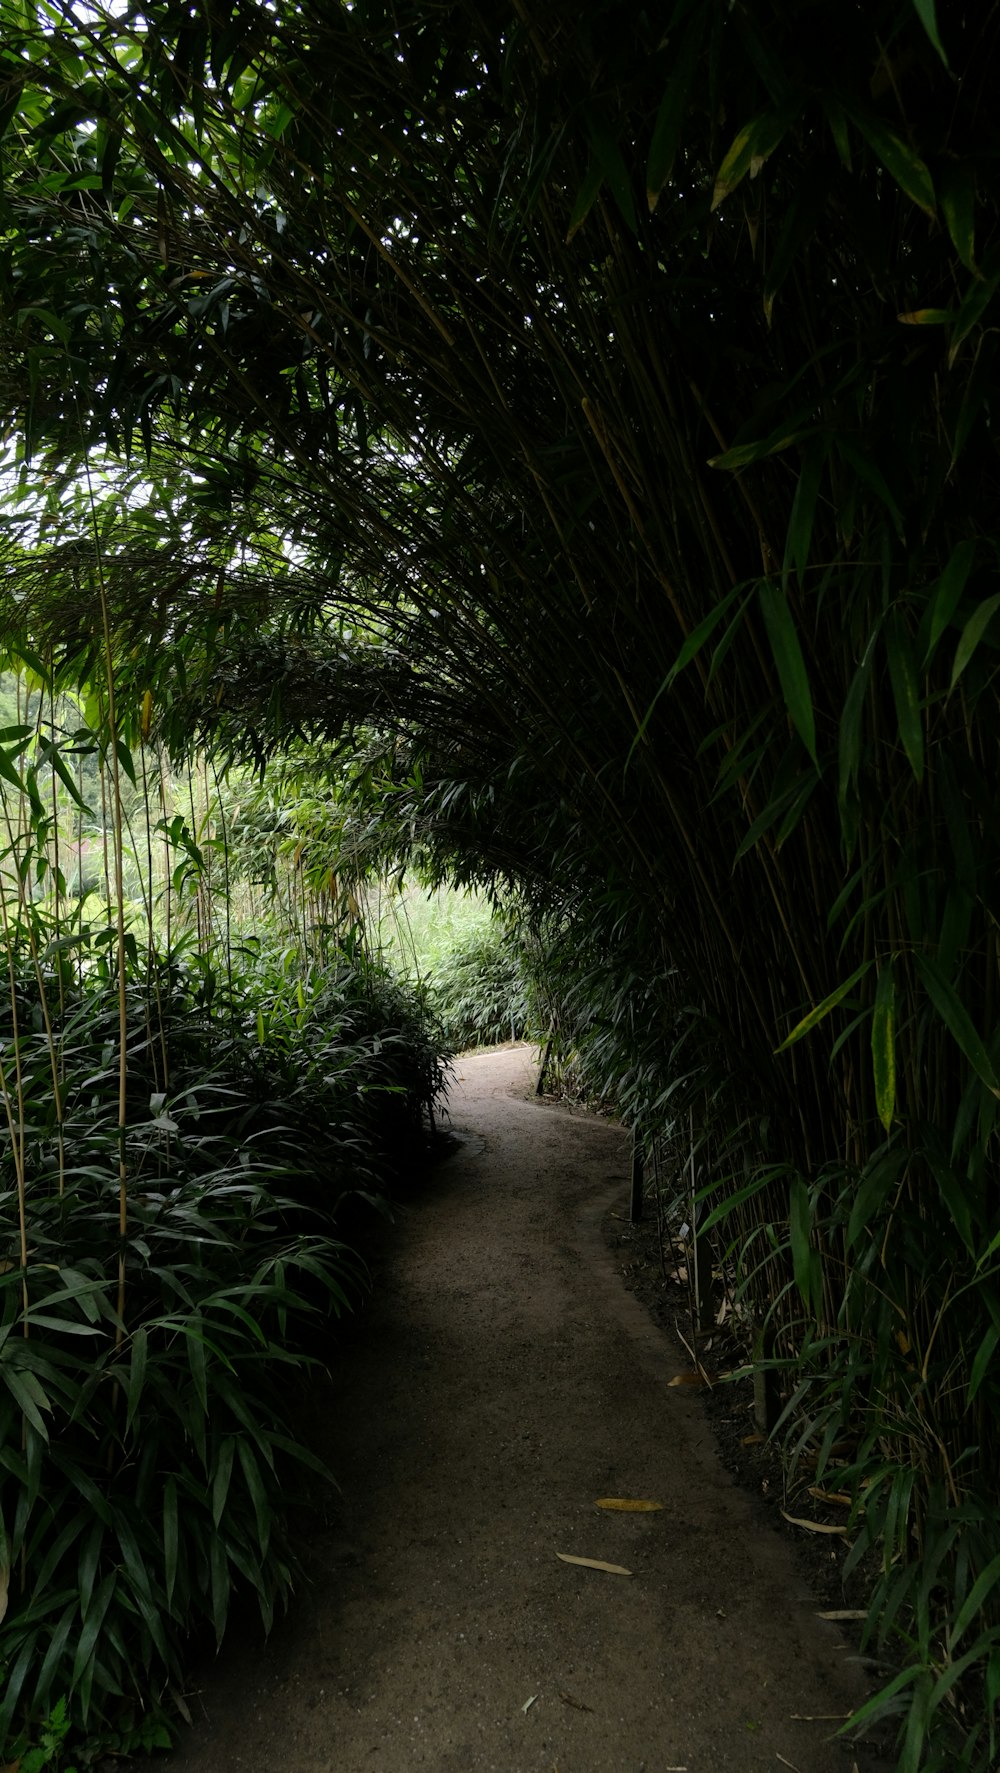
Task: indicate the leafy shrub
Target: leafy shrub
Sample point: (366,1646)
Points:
(480,992)
(155,1339)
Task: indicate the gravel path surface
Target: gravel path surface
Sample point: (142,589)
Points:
(503,1382)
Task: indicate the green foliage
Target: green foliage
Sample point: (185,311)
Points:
(639,555)
(479,991)
(149,1441)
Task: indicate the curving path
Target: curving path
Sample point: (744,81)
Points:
(504,1380)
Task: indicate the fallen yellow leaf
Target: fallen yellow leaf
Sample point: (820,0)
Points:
(844,1613)
(688,1379)
(838,1496)
(811,1526)
(594,1564)
(627,1505)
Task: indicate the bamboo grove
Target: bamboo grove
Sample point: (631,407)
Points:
(577,422)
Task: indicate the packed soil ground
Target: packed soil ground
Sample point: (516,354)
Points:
(504,1381)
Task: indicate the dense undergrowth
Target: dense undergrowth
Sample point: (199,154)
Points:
(167,1281)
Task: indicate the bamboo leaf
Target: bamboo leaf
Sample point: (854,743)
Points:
(906,694)
(974,1601)
(755,142)
(742,454)
(220,1481)
(900,161)
(926,317)
(884,1044)
(926,11)
(586,197)
(873,477)
(672,112)
(971,635)
(594,1564)
(849,756)
(171,1538)
(627,1505)
(974,304)
(837,119)
(957,1020)
(613,165)
(816,1015)
(957,196)
(948,594)
(790,663)
(799,1228)
(796,1520)
(800,524)
(983,1361)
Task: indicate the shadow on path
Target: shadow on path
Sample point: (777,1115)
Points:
(504,1380)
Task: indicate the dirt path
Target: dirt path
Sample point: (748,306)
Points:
(504,1381)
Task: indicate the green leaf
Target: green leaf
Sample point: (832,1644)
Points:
(586,197)
(612,162)
(91,1627)
(49,753)
(884,1044)
(800,1226)
(823,1009)
(800,523)
(220,1582)
(850,724)
(983,1361)
(258,1492)
(837,119)
(753,145)
(974,304)
(972,634)
(873,477)
(926,11)
(672,112)
(957,196)
(802,218)
(790,663)
(137,1375)
(899,160)
(957,1020)
(220,1480)
(906,693)
(948,594)
(9,774)
(171,1538)
(27,1393)
(974,1601)
(877,1181)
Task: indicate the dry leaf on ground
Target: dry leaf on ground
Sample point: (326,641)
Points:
(594,1564)
(689,1379)
(796,1520)
(844,1613)
(838,1496)
(627,1505)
